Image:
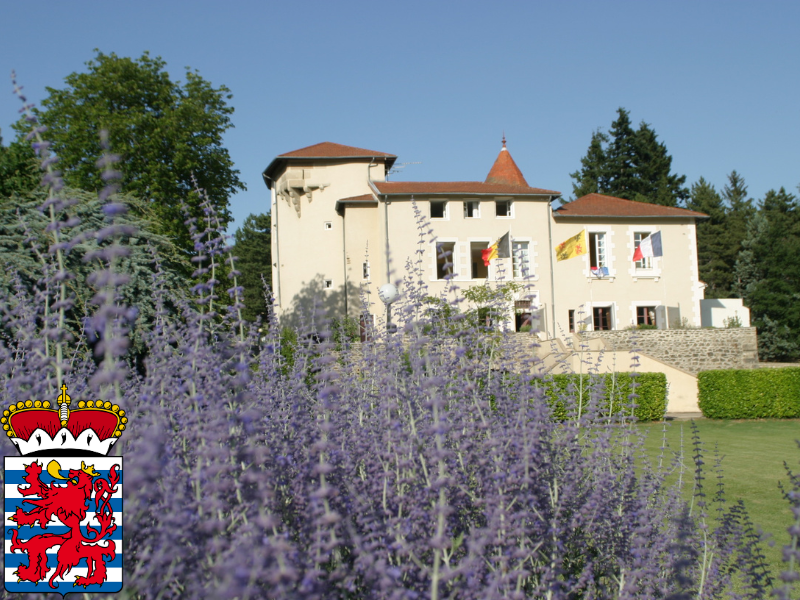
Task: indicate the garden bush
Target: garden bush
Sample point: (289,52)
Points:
(750,394)
(615,390)
(248,478)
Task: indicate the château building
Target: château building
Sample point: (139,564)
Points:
(335,214)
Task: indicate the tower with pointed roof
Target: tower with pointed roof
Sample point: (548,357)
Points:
(505,171)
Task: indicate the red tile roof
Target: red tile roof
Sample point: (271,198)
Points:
(599,205)
(505,171)
(458,187)
(331,150)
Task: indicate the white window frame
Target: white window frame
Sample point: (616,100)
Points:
(608,235)
(614,315)
(490,275)
(327,225)
(476,209)
(446,212)
(435,258)
(327,284)
(510,214)
(635,305)
(530,263)
(654,271)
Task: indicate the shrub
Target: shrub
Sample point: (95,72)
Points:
(750,394)
(615,389)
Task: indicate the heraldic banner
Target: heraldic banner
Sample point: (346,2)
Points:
(63,498)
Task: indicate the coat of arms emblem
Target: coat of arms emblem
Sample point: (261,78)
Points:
(63,496)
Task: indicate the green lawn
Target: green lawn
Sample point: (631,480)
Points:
(753,454)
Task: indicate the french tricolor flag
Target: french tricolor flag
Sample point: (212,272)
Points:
(649,246)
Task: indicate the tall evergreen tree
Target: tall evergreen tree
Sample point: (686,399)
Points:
(591,178)
(769,270)
(630,164)
(254,251)
(740,211)
(714,258)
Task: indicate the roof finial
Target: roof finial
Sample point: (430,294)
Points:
(504,139)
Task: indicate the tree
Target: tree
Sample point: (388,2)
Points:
(715,256)
(19,170)
(166,133)
(768,274)
(254,251)
(629,164)
(23,227)
(740,212)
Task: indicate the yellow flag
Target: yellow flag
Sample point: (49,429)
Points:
(572,247)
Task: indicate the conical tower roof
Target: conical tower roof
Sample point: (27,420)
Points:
(505,171)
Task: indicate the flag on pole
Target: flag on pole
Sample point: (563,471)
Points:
(500,249)
(572,247)
(649,246)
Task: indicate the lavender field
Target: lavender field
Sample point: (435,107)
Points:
(281,464)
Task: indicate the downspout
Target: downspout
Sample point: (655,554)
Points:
(386,223)
(552,268)
(274,221)
(344,261)
(385,215)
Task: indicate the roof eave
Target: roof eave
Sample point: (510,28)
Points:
(558,216)
(273,166)
(545,195)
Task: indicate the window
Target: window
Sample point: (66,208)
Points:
(519,253)
(647,261)
(572,320)
(327,284)
(365,270)
(472,209)
(479,270)
(503,208)
(523,315)
(597,250)
(645,315)
(438,209)
(602,318)
(328,225)
(444,259)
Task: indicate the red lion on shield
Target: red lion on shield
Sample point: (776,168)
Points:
(68,503)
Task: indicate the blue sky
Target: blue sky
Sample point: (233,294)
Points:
(438,83)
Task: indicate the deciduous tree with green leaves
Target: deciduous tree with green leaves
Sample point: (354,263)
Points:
(629,163)
(164,130)
(19,170)
(252,248)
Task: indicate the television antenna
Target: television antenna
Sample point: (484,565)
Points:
(398,168)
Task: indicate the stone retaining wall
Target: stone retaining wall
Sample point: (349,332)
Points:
(692,350)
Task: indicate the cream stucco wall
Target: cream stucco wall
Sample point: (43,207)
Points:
(671,282)
(528,223)
(308,241)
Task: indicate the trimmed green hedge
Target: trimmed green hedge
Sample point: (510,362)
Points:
(750,394)
(651,388)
